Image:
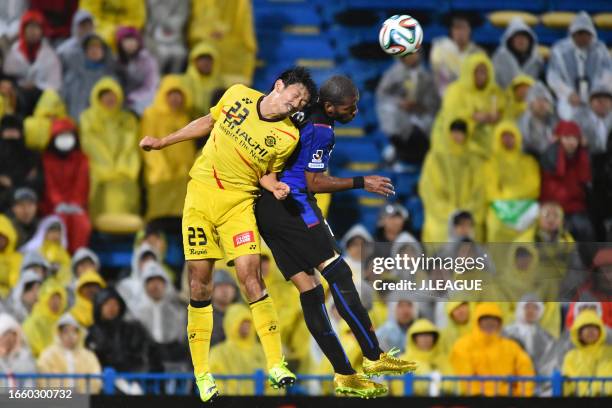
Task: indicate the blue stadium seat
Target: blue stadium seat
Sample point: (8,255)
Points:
(488,5)
(417,214)
(405,183)
(548,36)
(590,6)
(291,47)
(487,34)
(280,15)
(360,153)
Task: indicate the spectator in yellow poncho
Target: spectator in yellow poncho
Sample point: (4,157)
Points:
(458,324)
(10,260)
(424,348)
(167,170)
(475,96)
(203,77)
(484,352)
(591,357)
(38,126)
(39,327)
(88,284)
(68,356)
(451,180)
(109,137)
(239,353)
(228,25)
(111,14)
(517,96)
(512,186)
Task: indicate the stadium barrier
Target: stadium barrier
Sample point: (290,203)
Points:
(113,382)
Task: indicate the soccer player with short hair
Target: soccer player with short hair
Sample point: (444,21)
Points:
(251,134)
(301,241)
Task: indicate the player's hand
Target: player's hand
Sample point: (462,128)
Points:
(379,185)
(281,190)
(151,143)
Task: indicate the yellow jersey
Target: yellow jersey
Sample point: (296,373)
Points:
(243,146)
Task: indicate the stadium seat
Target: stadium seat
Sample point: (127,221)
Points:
(356,154)
(590,6)
(488,5)
(603,20)
(351,130)
(557,19)
(289,48)
(417,214)
(502,18)
(487,34)
(405,183)
(279,16)
(548,36)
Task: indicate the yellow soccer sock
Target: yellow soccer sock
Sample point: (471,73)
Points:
(268,330)
(199,330)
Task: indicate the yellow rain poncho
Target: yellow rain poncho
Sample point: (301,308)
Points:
(515,106)
(428,361)
(482,354)
(167,170)
(228,25)
(588,360)
(110,140)
(452,179)
(39,327)
(37,128)
(463,99)
(83,309)
(202,86)
(10,260)
(453,330)
(112,14)
(57,359)
(237,355)
(513,186)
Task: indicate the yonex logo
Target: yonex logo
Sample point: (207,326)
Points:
(192,336)
(253,247)
(272,328)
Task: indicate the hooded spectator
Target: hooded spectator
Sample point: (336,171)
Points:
(595,119)
(68,356)
(476,97)
(539,119)
(592,357)
(598,286)
(517,53)
(353,243)
(166,171)
(239,353)
(458,324)
(58,15)
(19,167)
(31,59)
(84,259)
(51,242)
(449,182)
(392,221)
(34,261)
(66,171)
(24,295)
(512,184)
(87,286)
(406,106)
(550,227)
(535,340)
(516,94)
(118,343)
(23,214)
(566,175)
(15,357)
(10,259)
(230,28)
(449,53)
(137,69)
(109,15)
(82,25)
(50,106)
(576,62)
(484,352)
(165,33)
(401,316)
(203,77)
(39,327)
(109,136)
(83,70)
(130,287)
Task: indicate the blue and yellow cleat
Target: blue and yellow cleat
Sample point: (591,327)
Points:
(280,376)
(207,387)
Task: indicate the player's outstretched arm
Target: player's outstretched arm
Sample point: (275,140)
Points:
(197,128)
(278,188)
(323,183)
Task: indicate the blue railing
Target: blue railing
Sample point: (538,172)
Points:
(183,384)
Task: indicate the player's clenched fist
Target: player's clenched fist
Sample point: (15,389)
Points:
(151,143)
(281,190)
(379,185)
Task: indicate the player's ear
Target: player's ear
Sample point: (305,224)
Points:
(329,108)
(279,85)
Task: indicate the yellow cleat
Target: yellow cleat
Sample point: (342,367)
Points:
(207,387)
(388,364)
(358,385)
(279,376)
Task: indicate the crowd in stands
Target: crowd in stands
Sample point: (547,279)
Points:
(514,149)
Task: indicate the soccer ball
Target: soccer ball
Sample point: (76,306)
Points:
(400,35)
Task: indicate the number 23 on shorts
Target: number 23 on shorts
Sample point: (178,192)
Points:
(196,236)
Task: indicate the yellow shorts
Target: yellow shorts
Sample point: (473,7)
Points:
(218,223)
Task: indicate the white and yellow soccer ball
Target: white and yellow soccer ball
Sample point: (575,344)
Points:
(400,35)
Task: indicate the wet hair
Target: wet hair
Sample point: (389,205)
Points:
(459,125)
(299,75)
(337,89)
(462,216)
